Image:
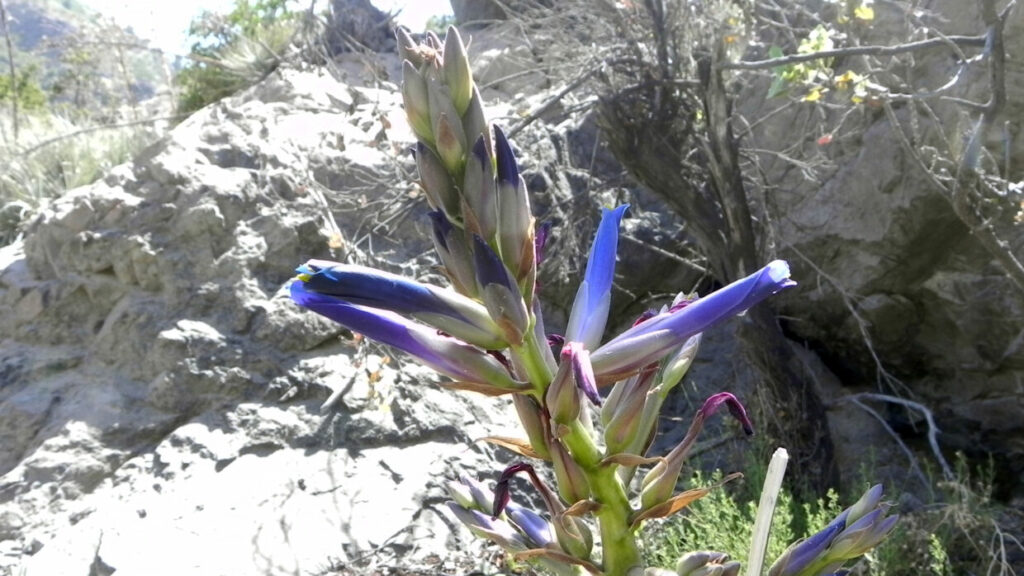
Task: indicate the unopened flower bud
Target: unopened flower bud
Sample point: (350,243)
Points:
(563,396)
(500,293)
(456,70)
(437,183)
(574,536)
(478,191)
(407,47)
(623,412)
(679,364)
(498,531)
(449,139)
(532,418)
(572,481)
(453,250)
(417,103)
(460,493)
(474,122)
(515,223)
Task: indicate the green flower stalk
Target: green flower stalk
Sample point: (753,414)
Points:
(486,332)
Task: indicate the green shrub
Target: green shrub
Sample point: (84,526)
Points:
(723,521)
(42,164)
(962,532)
(233,51)
(25,85)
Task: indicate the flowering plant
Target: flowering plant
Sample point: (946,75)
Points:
(486,333)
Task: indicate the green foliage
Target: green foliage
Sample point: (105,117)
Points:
(814,78)
(234,50)
(439,23)
(33,174)
(960,533)
(25,87)
(723,521)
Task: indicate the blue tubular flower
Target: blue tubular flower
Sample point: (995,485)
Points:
(590,309)
(446,310)
(801,555)
(445,354)
(648,341)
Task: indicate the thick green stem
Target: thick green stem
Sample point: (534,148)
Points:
(620,552)
(537,370)
(618,542)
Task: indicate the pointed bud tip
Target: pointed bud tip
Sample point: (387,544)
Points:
(508,168)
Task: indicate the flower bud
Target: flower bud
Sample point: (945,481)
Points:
(474,122)
(563,396)
(449,139)
(499,292)
(456,257)
(704,562)
(515,223)
(624,423)
(572,482)
(498,531)
(437,183)
(532,418)
(460,493)
(479,194)
(574,536)
(407,47)
(867,502)
(532,524)
(679,364)
(417,103)
(456,70)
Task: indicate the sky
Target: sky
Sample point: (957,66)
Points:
(165,22)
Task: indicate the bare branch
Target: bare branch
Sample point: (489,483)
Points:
(933,429)
(857,51)
(588,71)
(32,150)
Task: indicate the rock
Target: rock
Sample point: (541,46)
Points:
(357,25)
(159,392)
(478,12)
(896,294)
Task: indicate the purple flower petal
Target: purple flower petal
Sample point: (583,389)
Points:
(590,309)
(445,354)
(508,168)
(648,341)
(713,403)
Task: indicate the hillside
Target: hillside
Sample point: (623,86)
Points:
(81,59)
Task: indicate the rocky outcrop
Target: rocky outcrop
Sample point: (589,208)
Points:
(160,396)
(897,295)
